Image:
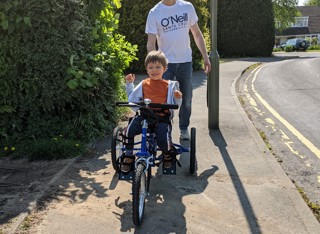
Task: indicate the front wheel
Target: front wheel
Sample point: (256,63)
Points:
(192,151)
(139,193)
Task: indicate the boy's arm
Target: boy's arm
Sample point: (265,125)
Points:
(177,101)
(129,88)
(129,83)
(136,94)
(177,95)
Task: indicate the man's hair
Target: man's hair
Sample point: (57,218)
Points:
(156,56)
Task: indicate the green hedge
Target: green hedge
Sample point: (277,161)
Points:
(61,68)
(245,28)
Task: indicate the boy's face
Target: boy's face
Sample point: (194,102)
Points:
(155,70)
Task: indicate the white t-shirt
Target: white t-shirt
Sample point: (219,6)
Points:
(171,24)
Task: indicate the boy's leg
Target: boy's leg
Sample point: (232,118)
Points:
(164,141)
(133,129)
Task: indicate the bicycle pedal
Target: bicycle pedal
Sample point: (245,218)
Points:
(169,171)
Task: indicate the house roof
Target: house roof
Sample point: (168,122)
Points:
(313,23)
(314,17)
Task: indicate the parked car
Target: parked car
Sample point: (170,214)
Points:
(283,44)
(297,44)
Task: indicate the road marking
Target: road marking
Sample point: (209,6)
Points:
(250,99)
(292,129)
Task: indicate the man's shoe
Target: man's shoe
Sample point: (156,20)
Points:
(184,134)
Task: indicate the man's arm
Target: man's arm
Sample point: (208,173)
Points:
(198,38)
(151,44)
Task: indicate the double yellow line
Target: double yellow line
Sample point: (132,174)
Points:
(292,129)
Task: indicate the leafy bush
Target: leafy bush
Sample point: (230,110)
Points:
(61,68)
(315,47)
(277,49)
(288,48)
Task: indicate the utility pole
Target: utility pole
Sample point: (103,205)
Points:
(213,79)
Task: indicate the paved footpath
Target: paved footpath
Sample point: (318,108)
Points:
(239,186)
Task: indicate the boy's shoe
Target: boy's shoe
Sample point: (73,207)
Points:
(184,134)
(167,161)
(126,164)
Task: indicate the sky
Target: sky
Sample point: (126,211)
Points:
(301,2)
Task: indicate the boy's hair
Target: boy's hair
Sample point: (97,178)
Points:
(156,56)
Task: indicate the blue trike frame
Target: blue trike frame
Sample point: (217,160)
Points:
(146,158)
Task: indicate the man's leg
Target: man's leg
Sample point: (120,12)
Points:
(184,77)
(170,73)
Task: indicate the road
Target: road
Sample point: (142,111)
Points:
(284,104)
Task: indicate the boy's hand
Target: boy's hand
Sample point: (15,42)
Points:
(177,94)
(130,78)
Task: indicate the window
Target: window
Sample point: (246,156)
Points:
(301,22)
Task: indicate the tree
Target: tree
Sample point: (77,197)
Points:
(285,12)
(312,3)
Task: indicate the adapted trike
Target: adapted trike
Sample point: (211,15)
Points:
(146,156)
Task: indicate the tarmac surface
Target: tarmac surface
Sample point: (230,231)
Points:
(239,186)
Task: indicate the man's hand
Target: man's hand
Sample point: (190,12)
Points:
(207,66)
(130,78)
(177,94)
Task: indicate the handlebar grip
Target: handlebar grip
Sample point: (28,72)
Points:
(163,106)
(122,103)
(151,105)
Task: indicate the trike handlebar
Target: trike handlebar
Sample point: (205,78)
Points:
(150,105)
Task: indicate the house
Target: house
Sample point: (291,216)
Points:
(306,25)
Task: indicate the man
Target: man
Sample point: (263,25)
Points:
(168,25)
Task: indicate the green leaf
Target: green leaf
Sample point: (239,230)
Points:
(72,84)
(8,6)
(71,59)
(88,83)
(117,3)
(6,109)
(5,24)
(27,20)
(19,19)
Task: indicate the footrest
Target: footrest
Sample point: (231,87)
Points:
(171,170)
(126,176)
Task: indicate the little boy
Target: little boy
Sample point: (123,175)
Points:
(158,91)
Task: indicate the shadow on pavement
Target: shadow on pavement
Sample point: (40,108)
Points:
(220,142)
(164,208)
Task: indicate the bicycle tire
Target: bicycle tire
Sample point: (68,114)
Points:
(192,167)
(148,179)
(116,148)
(139,192)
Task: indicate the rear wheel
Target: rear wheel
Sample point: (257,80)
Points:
(139,193)
(192,151)
(116,148)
